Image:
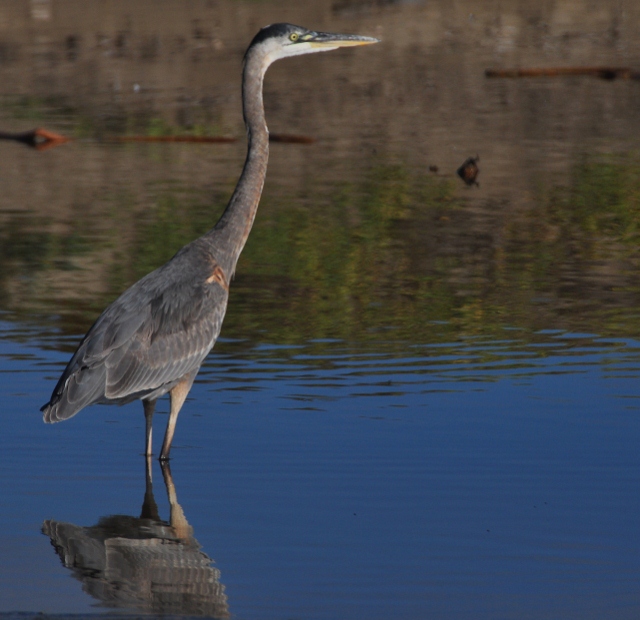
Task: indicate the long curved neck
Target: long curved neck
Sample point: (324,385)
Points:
(232,230)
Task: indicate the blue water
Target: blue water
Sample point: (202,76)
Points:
(485,478)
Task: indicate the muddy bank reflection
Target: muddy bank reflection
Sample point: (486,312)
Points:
(142,563)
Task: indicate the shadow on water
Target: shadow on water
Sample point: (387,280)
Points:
(142,563)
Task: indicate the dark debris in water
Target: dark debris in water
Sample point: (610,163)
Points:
(604,73)
(469,170)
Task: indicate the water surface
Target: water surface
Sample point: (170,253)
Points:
(329,480)
(425,399)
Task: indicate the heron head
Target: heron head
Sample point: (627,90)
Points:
(283,40)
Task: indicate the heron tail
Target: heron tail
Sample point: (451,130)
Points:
(77,391)
(52,412)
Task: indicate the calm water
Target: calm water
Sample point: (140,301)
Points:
(424,403)
(484,478)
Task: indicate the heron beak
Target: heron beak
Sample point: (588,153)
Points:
(327,40)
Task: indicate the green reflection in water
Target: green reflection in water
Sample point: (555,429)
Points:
(383,259)
(177,217)
(111,120)
(604,200)
(34,108)
(333,266)
(340,267)
(579,246)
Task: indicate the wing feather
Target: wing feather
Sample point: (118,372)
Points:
(152,335)
(168,359)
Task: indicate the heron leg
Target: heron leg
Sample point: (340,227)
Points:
(177,519)
(149,408)
(178,395)
(149,507)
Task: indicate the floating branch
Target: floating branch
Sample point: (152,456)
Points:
(604,73)
(42,139)
(290,139)
(39,139)
(199,139)
(274,137)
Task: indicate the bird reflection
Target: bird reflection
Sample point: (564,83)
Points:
(142,563)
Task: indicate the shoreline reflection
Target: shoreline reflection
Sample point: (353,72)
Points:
(142,563)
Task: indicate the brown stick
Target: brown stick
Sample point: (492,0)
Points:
(605,73)
(200,139)
(274,137)
(290,138)
(40,139)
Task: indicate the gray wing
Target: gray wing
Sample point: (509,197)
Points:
(152,335)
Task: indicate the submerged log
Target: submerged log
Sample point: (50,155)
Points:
(605,73)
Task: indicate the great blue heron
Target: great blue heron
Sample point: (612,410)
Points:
(154,337)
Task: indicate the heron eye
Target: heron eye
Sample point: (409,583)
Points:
(294,36)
